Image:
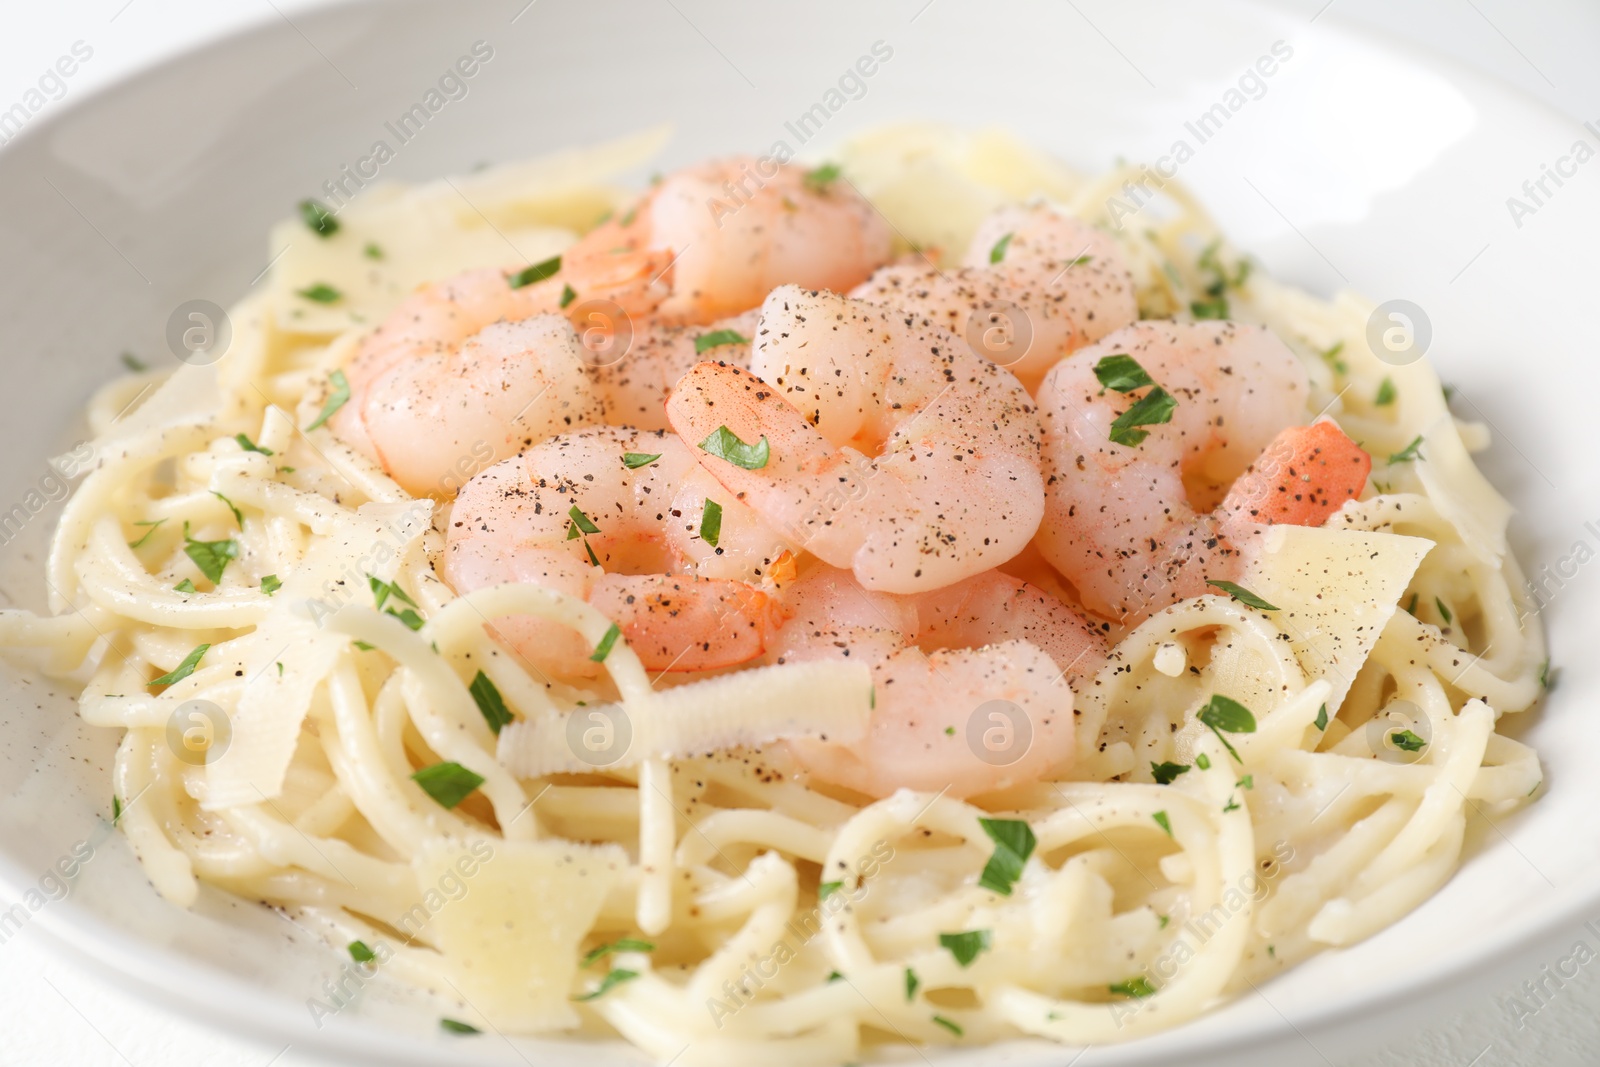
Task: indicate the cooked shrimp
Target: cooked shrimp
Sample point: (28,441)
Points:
(1119,522)
(893,450)
(1034,286)
(472,368)
(634,389)
(740,227)
(684,596)
(971,690)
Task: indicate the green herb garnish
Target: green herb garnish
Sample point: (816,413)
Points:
(490,703)
(623,944)
(182,670)
(336,399)
(725,444)
(1153,409)
(447,783)
(1386,393)
(1242,595)
(238,516)
(1121,372)
(1162,821)
(454,1026)
(1138,986)
(634,460)
(568,295)
(998,252)
(603,649)
(151,528)
(613,978)
(950,1025)
(250,446)
(210,556)
(536,273)
(711,523)
(1222,713)
(1408,453)
(966,945)
(1013,844)
(1407,740)
(912,982)
(185,586)
(819,179)
(360,952)
(271,584)
(1321,722)
(318,219)
(717,338)
(1167,773)
(828,889)
(322,293)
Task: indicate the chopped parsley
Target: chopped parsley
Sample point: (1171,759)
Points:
(1121,372)
(271,584)
(1322,718)
(912,982)
(182,670)
(1544,674)
(1405,739)
(133,362)
(1214,308)
(581,524)
(150,528)
(717,338)
(185,586)
(634,460)
(250,446)
(490,703)
(622,944)
(1162,821)
(538,272)
(950,1025)
(1202,761)
(1444,612)
(614,977)
(1247,782)
(834,976)
(116,808)
(966,945)
(447,783)
(819,179)
(336,399)
(1221,713)
(711,523)
(1408,453)
(828,889)
(360,952)
(321,293)
(454,1026)
(238,516)
(603,649)
(1331,358)
(318,219)
(1013,844)
(1167,773)
(725,444)
(568,295)
(372,251)
(1242,595)
(998,252)
(1386,393)
(1138,986)
(382,591)
(210,556)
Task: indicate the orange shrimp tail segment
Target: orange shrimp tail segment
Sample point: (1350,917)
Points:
(1305,475)
(685,623)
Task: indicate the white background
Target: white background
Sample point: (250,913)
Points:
(50,1013)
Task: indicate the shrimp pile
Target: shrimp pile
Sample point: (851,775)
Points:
(779,443)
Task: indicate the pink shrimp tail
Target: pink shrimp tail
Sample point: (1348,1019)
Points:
(1305,475)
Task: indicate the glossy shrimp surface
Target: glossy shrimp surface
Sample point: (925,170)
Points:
(736,228)
(479,366)
(1135,527)
(619,517)
(1033,287)
(893,450)
(971,682)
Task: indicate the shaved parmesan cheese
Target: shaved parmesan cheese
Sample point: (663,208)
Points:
(512,949)
(823,698)
(391,239)
(1335,591)
(369,541)
(935,184)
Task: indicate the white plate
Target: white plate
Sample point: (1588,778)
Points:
(1359,163)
